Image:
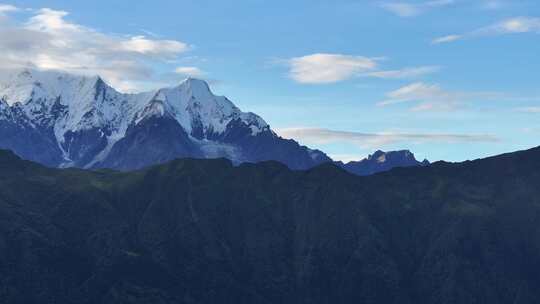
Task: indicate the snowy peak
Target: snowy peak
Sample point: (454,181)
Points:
(199,111)
(381,161)
(64,102)
(196,88)
(27,85)
(68,106)
(381,156)
(92,103)
(67,120)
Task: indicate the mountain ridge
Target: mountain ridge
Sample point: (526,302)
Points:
(445,233)
(87,119)
(65,120)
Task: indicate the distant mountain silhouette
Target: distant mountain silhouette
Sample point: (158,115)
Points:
(382,161)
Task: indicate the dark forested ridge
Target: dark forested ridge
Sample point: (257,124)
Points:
(204,231)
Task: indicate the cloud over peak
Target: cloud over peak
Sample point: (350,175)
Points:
(47,40)
(189,71)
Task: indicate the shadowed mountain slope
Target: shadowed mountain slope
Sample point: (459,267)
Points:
(204,231)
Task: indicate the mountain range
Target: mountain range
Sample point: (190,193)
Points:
(207,231)
(64,120)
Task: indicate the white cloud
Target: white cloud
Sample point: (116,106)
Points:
(432,97)
(48,41)
(189,71)
(328,68)
(404,73)
(517,25)
(6,8)
(428,97)
(143,45)
(446,39)
(319,136)
(514,25)
(332,68)
(409,9)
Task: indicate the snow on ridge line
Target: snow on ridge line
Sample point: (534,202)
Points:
(90,103)
(190,100)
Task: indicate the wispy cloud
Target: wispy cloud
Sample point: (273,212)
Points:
(528,109)
(427,97)
(331,68)
(432,97)
(517,25)
(494,4)
(328,68)
(6,8)
(410,9)
(446,39)
(319,136)
(404,73)
(47,40)
(189,71)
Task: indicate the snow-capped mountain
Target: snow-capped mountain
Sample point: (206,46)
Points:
(65,120)
(382,161)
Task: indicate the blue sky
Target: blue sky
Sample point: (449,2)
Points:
(447,79)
